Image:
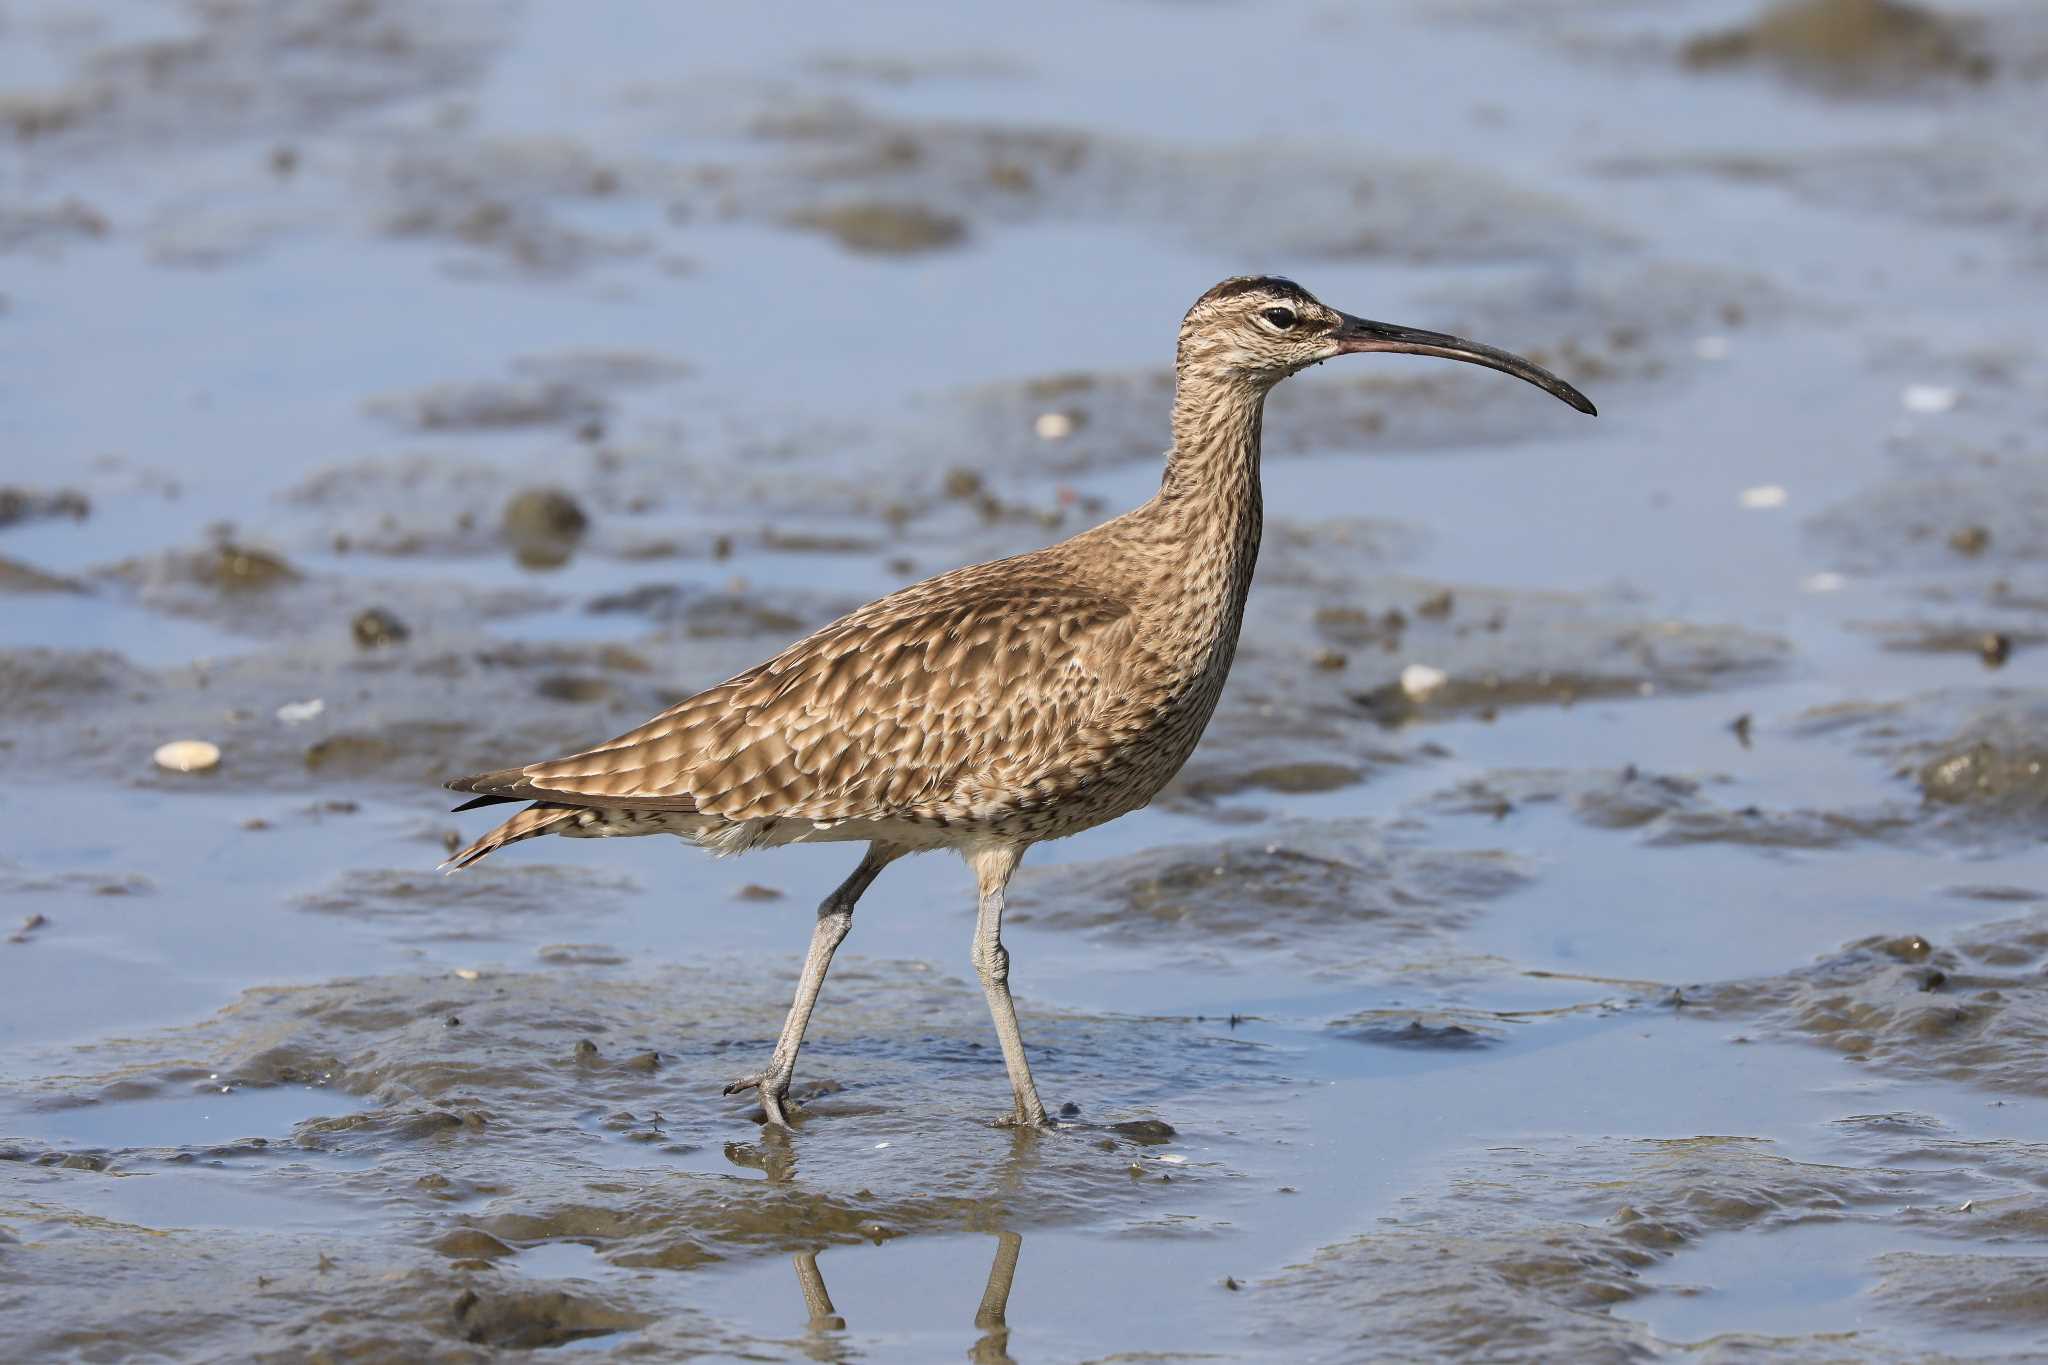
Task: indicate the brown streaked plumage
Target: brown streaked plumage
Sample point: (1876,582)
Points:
(994,706)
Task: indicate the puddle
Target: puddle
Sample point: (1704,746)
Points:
(225,1115)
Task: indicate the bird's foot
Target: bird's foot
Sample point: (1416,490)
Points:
(773,1086)
(1031,1116)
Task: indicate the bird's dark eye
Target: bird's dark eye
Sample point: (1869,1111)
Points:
(1283,318)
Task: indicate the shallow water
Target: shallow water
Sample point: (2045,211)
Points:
(1667,984)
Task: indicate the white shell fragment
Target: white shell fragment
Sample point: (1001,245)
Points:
(1419,680)
(188,756)
(295,712)
(467,974)
(1927,398)
(1053,426)
(1764,495)
(1711,348)
(1825,581)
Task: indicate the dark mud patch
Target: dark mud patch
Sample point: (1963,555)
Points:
(247,69)
(17,882)
(18,505)
(1978,759)
(884,229)
(507,202)
(1993,515)
(443,505)
(1989,644)
(328,712)
(570,388)
(1974,1012)
(1280,201)
(721,613)
(1431,1032)
(17,577)
(45,230)
(489,405)
(1953,180)
(112,1289)
(226,566)
(1969,1293)
(40,683)
(1552,1251)
(250,590)
(1420,651)
(1668,810)
(422,904)
(1851,44)
(1304,889)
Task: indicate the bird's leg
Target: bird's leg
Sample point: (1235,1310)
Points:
(992,1315)
(992,868)
(817,1299)
(835,918)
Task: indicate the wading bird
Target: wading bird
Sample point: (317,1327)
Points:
(995,706)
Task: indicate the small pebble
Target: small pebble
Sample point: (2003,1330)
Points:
(1970,540)
(1994,648)
(188,756)
(376,627)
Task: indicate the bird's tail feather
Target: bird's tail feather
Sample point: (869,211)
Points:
(536,820)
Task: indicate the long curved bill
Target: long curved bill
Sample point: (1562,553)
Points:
(1357,335)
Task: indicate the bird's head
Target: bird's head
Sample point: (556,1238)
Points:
(1257,330)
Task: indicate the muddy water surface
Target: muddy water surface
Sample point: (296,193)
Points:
(393,391)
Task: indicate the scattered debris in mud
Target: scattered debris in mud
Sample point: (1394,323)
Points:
(1562,1248)
(1977,758)
(1294,204)
(1338,896)
(1912,522)
(1488,649)
(1972,1012)
(1670,811)
(488,406)
(215,76)
(30,504)
(17,577)
(539,1122)
(884,228)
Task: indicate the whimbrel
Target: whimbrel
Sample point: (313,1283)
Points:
(995,706)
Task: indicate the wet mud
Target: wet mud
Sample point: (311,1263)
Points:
(1600,923)
(501,1118)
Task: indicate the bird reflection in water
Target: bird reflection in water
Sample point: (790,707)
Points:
(992,1347)
(775,1157)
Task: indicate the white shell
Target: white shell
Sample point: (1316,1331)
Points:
(188,756)
(1053,426)
(1419,680)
